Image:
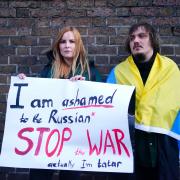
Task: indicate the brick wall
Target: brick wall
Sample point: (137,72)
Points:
(29,27)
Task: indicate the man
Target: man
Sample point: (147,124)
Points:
(157,82)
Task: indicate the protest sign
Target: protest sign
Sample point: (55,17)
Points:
(60,124)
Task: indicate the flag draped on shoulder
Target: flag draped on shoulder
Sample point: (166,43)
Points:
(158,101)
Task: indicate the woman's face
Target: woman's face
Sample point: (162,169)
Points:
(67,46)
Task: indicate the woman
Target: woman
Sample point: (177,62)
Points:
(67,59)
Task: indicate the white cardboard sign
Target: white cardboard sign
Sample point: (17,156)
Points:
(60,124)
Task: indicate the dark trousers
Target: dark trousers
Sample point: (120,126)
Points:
(121,176)
(167,166)
(46,174)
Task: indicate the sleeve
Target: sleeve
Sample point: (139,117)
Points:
(95,75)
(46,72)
(111,77)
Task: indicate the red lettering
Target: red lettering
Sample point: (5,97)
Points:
(29,141)
(94,148)
(41,133)
(49,154)
(108,137)
(68,130)
(66,135)
(119,141)
(119,136)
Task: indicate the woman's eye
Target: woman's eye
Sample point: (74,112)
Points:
(62,41)
(72,41)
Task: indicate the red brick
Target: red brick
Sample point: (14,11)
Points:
(7,12)
(109,50)
(4,4)
(83,30)
(7,69)
(36,69)
(3,79)
(177,50)
(98,21)
(152,11)
(30,4)
(80,3)
(101,31)
(43,22)
(165,31)
(3,22)
(44,41)
(58,3)
(43,31)
(23,51)
(102,40)
(3,98)
(104,12)
(123,11)
(23,31)
(165,2)
(166,50)
(4,89)
(114,60)
(104,69)
(21,22)
(100,60)
(78,22)
(173,21)
(4,59)
(22,12)
(88,40)
(145,3)
(117,40)
(117,3)
(178,11)
(45,12)
(23,60)
(7,50)
(121,50)
(115,21)
(23,40)
(123,30)
(171,40)
(100,3)
(176,31)
(5,31)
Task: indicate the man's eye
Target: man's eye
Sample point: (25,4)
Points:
(131,38)
(142,35)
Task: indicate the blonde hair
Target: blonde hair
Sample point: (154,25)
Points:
(60,67)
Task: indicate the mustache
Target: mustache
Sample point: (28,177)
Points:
(136,45)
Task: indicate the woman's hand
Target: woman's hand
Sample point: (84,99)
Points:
(21,76)
(77,77)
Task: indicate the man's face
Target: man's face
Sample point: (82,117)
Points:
(140,43)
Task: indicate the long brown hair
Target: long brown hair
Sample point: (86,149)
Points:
(60,67)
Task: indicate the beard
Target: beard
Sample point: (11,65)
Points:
(139,58)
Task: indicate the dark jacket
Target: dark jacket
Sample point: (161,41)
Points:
(46,72)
